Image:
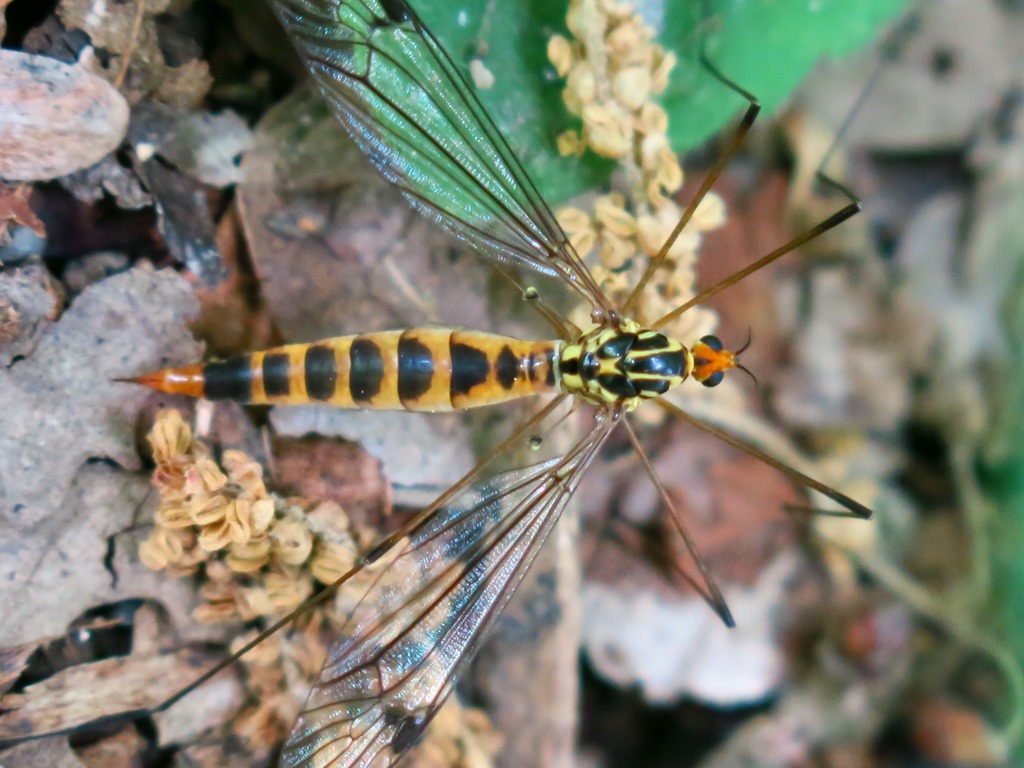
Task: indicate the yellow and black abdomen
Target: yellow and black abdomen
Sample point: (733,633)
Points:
(421,369)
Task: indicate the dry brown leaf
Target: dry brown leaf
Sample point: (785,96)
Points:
(339,259)
(123,749)
(420,454)
(14,207)
(61,410)
(63,407)
(318,468)
(56,569)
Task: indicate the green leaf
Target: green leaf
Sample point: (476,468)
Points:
(526,99)
(766,46)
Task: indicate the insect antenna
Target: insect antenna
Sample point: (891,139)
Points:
(749,373)
(705,585)
(855,508)
(746,344)
(740,351)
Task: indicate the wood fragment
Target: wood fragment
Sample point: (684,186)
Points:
(83,694)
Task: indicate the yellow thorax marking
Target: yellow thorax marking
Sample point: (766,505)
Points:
(623,365)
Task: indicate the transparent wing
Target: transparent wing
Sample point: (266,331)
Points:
(429,601)
(406,104)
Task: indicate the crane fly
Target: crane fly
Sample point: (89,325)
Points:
(439,584)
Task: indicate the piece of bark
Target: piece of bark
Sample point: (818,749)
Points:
(54,118)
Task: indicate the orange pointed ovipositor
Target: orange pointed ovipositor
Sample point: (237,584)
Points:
(186,380)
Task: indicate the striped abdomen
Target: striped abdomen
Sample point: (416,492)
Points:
(422,369)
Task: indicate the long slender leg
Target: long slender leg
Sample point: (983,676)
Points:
(705,586)
(854,507)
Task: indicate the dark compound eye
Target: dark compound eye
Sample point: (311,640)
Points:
(713,342)
(714,379)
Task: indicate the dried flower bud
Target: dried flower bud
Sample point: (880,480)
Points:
(173,515)
(570,144)
(560,54)
(265,653)
(608,129)
(616,252)
(629,44)
(578,226)
(631,87)
(161,548)
(249,556)
(261,515)
(573,219)
(292,541)
(209,511)
(220,574)
(215,536)
(286,590)
(210,475)
(333,560)
(653,120)
(615,9)
(651,147)
(170,437)
(610,212)
(613,283)
(669,174)
(246,472)
(583,22)
(654,230)
(663,64)
(255,601)
(710,214)
(580,88)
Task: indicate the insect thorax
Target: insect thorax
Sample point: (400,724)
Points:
(622,365)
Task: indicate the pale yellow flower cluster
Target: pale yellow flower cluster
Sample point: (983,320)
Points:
(613,72)
(221,517)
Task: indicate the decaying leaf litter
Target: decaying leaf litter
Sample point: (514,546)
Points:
(861,645)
